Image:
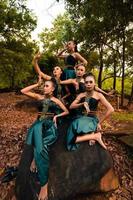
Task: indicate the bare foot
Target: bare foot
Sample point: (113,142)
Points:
(33,167)
(91,142)
(98,138)
(43,195)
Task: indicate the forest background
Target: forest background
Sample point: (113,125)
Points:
(103,30)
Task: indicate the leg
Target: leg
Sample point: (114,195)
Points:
(43,195)
(42,163)
(92,136)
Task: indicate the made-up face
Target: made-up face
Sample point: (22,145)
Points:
(80,71)
(90,83)
(48,88)
(70,46)
(57,71)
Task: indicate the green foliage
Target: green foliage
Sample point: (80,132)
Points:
(47,63)
(61,32)
(106,27)
(107,84)
(16,20)
(16,24)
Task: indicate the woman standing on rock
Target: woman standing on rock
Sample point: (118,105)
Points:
(83,128)
(71,58)
(43,133)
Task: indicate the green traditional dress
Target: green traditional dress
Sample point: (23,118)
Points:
(69,71)
(82,124)
(42,134)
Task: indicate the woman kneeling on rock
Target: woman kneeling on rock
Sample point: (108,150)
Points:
(43,133)
(86,127)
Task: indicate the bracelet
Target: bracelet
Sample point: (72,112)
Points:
(59,115)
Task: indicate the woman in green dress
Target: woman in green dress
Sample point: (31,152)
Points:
(87,126)
(79,83)
(43,133)
(71,58)
(75,85)
(57,74)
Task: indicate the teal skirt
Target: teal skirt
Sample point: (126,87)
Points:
(78,127)
(41,135)
(69,73)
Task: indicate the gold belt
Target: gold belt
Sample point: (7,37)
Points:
(42,115)
(90,113)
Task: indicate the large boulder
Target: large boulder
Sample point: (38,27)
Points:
(89,169)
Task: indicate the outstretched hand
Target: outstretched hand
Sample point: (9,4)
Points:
(37,56)
(111,93)
(65,47)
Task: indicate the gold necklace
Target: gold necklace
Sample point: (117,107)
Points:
(89,94)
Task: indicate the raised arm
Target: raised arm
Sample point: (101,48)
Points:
(27,91)
(68,81)
(81,59)
(107,105)
(101,91)
(37,68)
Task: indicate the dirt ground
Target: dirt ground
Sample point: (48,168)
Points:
(15,119)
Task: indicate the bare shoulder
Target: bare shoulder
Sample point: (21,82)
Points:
(76,54)
(102,98)
(55,100)
(81,95)
(100,95)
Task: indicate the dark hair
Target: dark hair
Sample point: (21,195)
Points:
(89,75)
(62,75)
(75,42)
(53,81)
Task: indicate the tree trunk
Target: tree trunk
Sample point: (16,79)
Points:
(12,78)
(123,70)
(101,67)
(114,82)
(131,96)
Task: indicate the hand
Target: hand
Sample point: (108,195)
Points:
(86,107)
(111,93)
(37,56)
(65,46)
(55,120)
(99,128)
(33,167)
(76,84)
